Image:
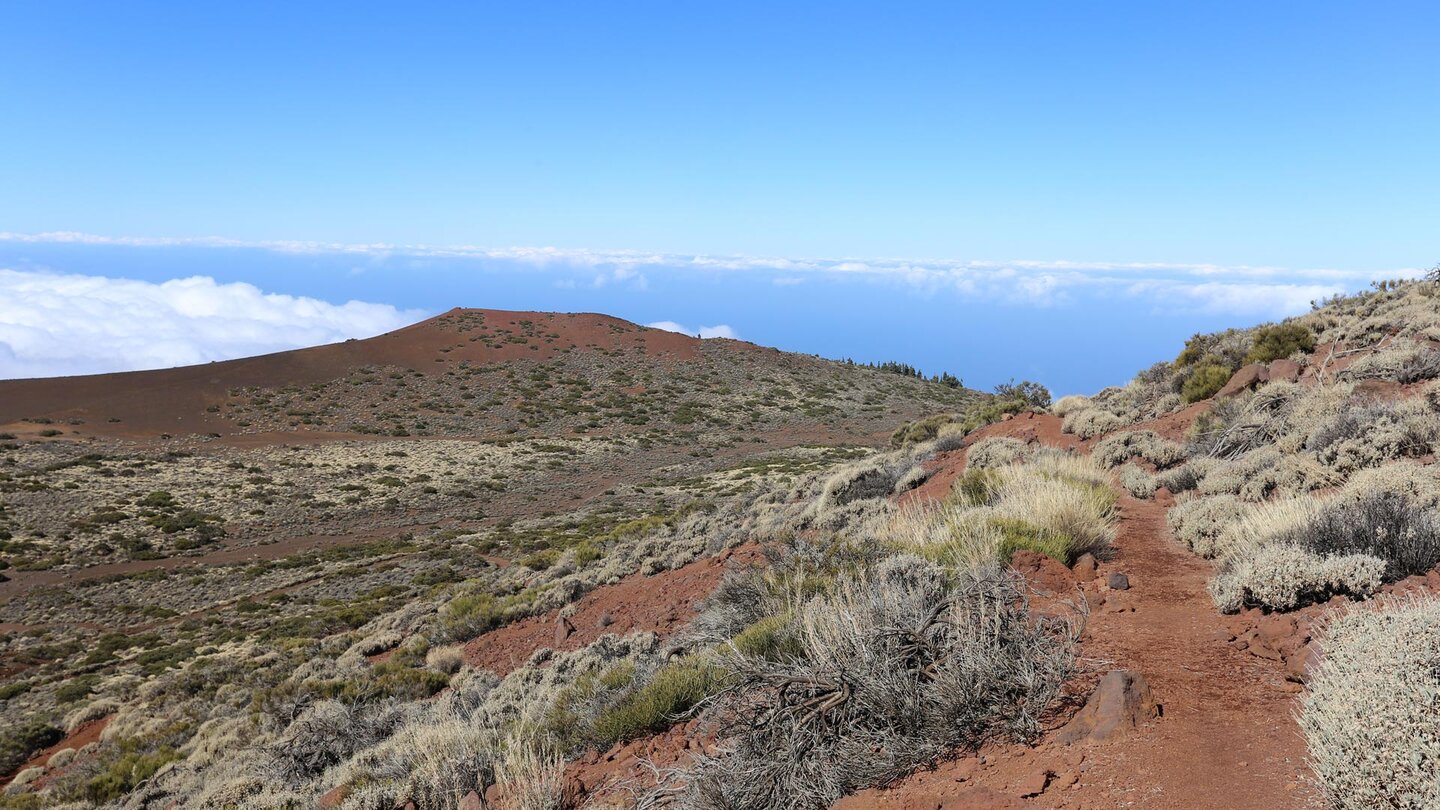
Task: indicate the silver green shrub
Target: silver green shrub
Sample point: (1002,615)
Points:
(998,451)
(1281,576)
(1372,715)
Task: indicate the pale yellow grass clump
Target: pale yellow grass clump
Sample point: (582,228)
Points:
(1066,495)
(1059,503)
(948,533)
(1065,406)
(1259,524)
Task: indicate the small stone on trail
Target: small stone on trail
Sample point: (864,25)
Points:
(1121,702)
(1034,784)
(1119,582)
(1084,567)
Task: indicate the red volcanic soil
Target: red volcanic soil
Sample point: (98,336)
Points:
(661,603)
(1227,737)
(174,400)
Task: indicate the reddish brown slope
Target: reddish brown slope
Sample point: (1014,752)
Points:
(174,400)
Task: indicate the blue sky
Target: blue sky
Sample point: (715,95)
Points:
(1059,190)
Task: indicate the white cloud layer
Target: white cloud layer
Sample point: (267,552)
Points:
(1267,292)
(53,325)
(717,331)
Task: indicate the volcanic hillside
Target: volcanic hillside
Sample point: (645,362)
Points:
(519,459)
(555,570)
(474,372)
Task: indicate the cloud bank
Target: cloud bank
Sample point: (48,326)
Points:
(1240,290)
(53,325)
(717,331)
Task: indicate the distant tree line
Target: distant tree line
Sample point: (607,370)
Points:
(906,370)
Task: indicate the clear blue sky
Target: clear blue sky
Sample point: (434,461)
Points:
(1286,135)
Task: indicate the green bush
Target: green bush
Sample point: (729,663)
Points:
(1029,392)
(770,638)
(675,689)
(586,553)
(121,775)
(398,679)
(75,689)
(1204,381)
(976,487)
(15,689)
(1279,341)
(19,743)
(540,560)
(569,720)
(923,430)
(466,617)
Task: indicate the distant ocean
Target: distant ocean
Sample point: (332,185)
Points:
(1077,339)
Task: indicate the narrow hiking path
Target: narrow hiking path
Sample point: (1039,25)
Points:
(1227,737)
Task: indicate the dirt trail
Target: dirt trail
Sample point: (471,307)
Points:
(1227,739)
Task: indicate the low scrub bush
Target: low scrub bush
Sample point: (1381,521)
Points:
(1226,348)
(997,451)
(1088,423)
(899,668)
(468,615)
(675,689)
(924,430)
(22,741)
(1403,362)
(1137,482)
(1186,477)
(912,478)
(1201,523)
(1387,525)
(1065,406)
(1281,576)
(772,638)
(871,478)
(327,733)
(623,703)
(1246,422)
(1371,716)
(1370,434)
(1116,449)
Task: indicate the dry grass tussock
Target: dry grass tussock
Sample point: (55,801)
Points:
(1055,503)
